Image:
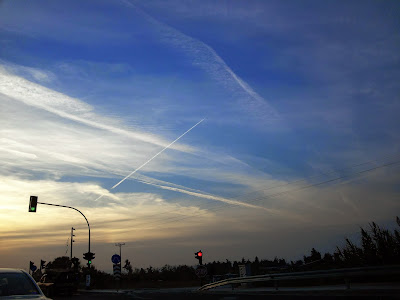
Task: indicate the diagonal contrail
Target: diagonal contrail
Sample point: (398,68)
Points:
(165,148)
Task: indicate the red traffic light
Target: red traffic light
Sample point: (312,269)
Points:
(199,256)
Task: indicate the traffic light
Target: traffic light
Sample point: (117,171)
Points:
(199,256)
(42,262)
(89,256)
(33,203)
(32,266)
(75,261)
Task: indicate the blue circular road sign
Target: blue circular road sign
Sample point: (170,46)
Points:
(116,259)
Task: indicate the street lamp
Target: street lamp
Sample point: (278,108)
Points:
(120,256)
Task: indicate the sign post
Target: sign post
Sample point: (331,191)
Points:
(87,281)
(116,260)
(201,272)
(244,270)
(117,271)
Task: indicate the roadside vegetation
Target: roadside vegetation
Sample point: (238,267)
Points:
(377,247)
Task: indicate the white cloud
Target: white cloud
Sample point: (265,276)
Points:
(18,153)
(35,74)
(146,218)
(206,58)
(69,108)
(205,196)
(130,208)
(47,147)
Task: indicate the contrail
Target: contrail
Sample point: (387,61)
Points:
(209,60)
(165,148)
(206,196)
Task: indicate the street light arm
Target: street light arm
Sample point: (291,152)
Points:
(74,209)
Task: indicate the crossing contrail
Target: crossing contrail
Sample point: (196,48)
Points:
(165,148)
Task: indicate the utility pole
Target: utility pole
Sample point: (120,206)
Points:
(119,245)
(72,238)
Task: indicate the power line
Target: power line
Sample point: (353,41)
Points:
(262,198)
(269,188)
(279,186)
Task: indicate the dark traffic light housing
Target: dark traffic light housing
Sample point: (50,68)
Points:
(32,266)
(89,256)
(33,204)
(42,266)
(75,261)
(199,256)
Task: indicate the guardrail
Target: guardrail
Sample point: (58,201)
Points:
(346,274)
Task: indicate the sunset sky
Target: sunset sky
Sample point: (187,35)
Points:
(299,146)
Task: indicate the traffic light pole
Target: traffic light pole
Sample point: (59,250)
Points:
(77,211)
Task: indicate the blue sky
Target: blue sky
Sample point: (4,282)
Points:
(292,93)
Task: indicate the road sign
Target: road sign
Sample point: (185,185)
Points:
(117,271)
(242,270)
(116,259)
(87,280)
(201,271)
(245,270)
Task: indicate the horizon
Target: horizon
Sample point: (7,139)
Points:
(243,129)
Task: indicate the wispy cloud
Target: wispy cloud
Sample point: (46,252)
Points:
(321,79)
(61,157)
(35,74)
(207,58)
(17,191)
(66,107)
(207,196)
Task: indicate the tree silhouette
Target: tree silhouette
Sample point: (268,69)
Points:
(378,247)
(62,262)
(128,267)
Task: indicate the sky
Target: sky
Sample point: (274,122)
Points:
(286,114)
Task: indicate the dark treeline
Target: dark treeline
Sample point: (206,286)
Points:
(378,246)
